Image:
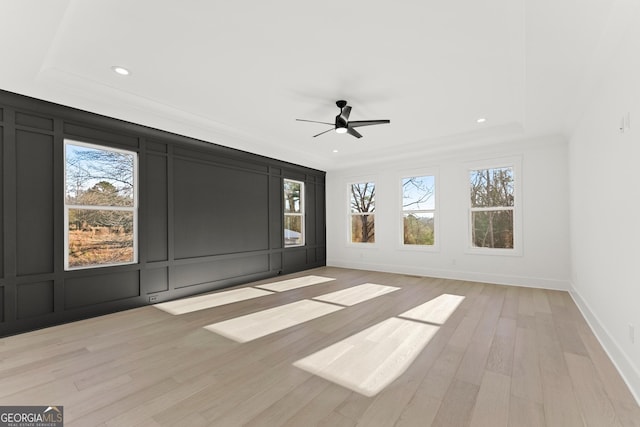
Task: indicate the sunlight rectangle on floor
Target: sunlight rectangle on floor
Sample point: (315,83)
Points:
(370,360)
(265,322)
(356,294)
(188,305)
(435,311)
(298,282)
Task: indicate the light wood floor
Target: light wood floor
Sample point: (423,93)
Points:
(506,356)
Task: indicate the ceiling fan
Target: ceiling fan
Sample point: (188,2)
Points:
(342,123)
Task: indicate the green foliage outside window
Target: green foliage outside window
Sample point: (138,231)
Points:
(492,205)
(418,206)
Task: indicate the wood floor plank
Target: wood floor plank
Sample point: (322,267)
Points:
(333,420)
(321,409)
(570,341)
(354,406)
(596,407)
(525,376)
(526,305)
(457,406)
(525,413)
(492,404)
(560,403)
(240,411)
(475,359)
(141,414)
(541,301)
(555,298)
(505,355)
(500,358)
(510,306)
(285,408)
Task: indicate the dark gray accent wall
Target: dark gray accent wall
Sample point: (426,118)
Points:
(209,217)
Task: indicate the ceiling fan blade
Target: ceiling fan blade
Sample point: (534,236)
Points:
(329,130)
(345,112)
(314,121)
(353,132)
(358,123)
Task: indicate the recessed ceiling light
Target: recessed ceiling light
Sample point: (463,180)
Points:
(481,120)
(120,70)
(335,151)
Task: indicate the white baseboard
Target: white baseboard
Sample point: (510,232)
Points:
(498,279)
(629,372)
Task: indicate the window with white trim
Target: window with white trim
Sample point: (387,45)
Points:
(100,206)
(293,213)
(362,212)
(492,207)
(419,210)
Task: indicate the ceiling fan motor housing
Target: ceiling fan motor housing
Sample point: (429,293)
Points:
(341,121)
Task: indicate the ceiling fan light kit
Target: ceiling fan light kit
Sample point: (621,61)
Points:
(342,123)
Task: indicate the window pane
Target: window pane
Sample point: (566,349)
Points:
(293,230)
(492,187)
(493,229)
(97,177)
(100,237)
(418,228)
(418,193)
(362,229)
(363,197)
(292,190)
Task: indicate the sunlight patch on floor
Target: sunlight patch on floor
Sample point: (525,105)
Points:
(188,305)
(265,322)
(356,294)
(370,360)
(435,311)
(298,282)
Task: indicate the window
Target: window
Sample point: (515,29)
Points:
(362,212)
(293,213)
(492,192)
(100,206)
(418,210)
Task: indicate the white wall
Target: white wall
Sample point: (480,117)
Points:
(545,251)
(605,211)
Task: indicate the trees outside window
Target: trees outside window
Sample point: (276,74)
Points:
(492,207)
(293,213)
(100,206)
(362,201)
(418,210)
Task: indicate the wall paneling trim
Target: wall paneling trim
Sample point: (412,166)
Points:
(209,217)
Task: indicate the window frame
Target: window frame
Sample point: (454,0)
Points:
(301,214)
(366,180)
(134,208)
(436,234)
(515,164)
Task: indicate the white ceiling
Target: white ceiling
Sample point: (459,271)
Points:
(239,73)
